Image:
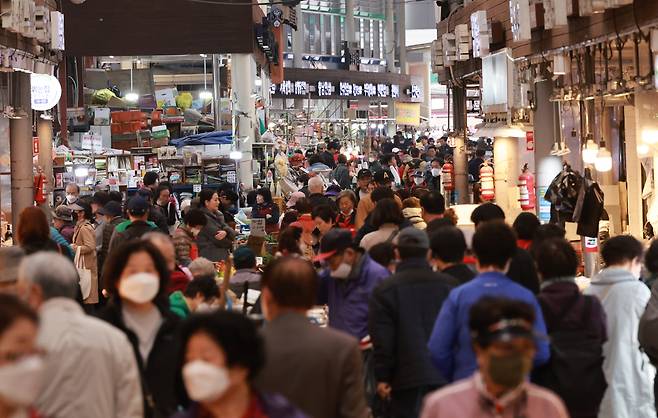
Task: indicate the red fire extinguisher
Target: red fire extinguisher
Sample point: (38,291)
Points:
(488,190)
(448,176)
(39,185)
(526,186)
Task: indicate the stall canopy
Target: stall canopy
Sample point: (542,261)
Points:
(158,27)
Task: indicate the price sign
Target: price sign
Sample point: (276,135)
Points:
(258,227)
(196,188)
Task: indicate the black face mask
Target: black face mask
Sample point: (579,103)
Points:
(509,370)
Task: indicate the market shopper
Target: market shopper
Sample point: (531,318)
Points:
(84,245)
(363,180)
(72,193)
(10,259)
(400,330)
(448,249)
(387,220)
(151,181)
(434,211)
(324,217)
(162,202)
(113,218)
(216,237)
(63,222)
(21,366)
(346,202)
(246,274)
(501,333)
(135,227)
(265,208)
(522,267)
(433,175)
(624,297)
(576,325)
(136,276)
(200,295)
(33,232)
(300,355)
(316,195)
(494,245)
(367,204)
(412,212)
(222,353)
(179,276)
(346,282)
(90,369)
(341,174)
(186,234)
(525,225)
(155,213)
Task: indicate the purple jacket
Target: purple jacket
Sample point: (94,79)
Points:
(274,406)
(348,299)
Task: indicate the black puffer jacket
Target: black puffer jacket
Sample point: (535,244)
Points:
(158,375)
(402,313)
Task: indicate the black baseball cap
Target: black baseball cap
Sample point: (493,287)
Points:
(334,242)
(506,330)
(137,205)
(111,208)
(363,173)
(383,176)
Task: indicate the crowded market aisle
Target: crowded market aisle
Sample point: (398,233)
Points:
(376,295)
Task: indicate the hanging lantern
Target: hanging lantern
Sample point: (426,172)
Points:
(448,176)
(488,190)
(590,151)
(603,161)
(526,189)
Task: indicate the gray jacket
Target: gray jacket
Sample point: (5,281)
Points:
(209,246)
(317,369)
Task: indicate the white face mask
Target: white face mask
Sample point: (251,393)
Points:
(139,287)
(342,272)
(348,213)
(71,198)
(436,172)
(205,382)
(20,382)
(418,181)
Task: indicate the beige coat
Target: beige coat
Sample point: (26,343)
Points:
(85,238)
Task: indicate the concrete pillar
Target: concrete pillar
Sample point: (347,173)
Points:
(389,37)
(460,159)
(45,134)
(547,165)
(350,30)
(20,146)
(633,174)
(243,76)
(298,39)
(402,35)
(506,173)
(217,90)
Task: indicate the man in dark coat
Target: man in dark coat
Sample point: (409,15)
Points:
(400,330)
(317,369)
(448,248)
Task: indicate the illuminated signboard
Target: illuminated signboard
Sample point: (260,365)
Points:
(343,89)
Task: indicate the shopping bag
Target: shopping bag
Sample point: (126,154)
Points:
(84,273)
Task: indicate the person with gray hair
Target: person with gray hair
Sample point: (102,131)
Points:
(91,369)
(10,258)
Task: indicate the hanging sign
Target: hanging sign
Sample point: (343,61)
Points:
(46,91)
(35,145)
(407,114)
(257,227)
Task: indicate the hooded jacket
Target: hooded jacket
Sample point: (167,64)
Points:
(627,369)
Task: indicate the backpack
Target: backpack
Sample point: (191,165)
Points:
(648,328)
(575,370)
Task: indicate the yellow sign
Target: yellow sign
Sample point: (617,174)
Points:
(407,114)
